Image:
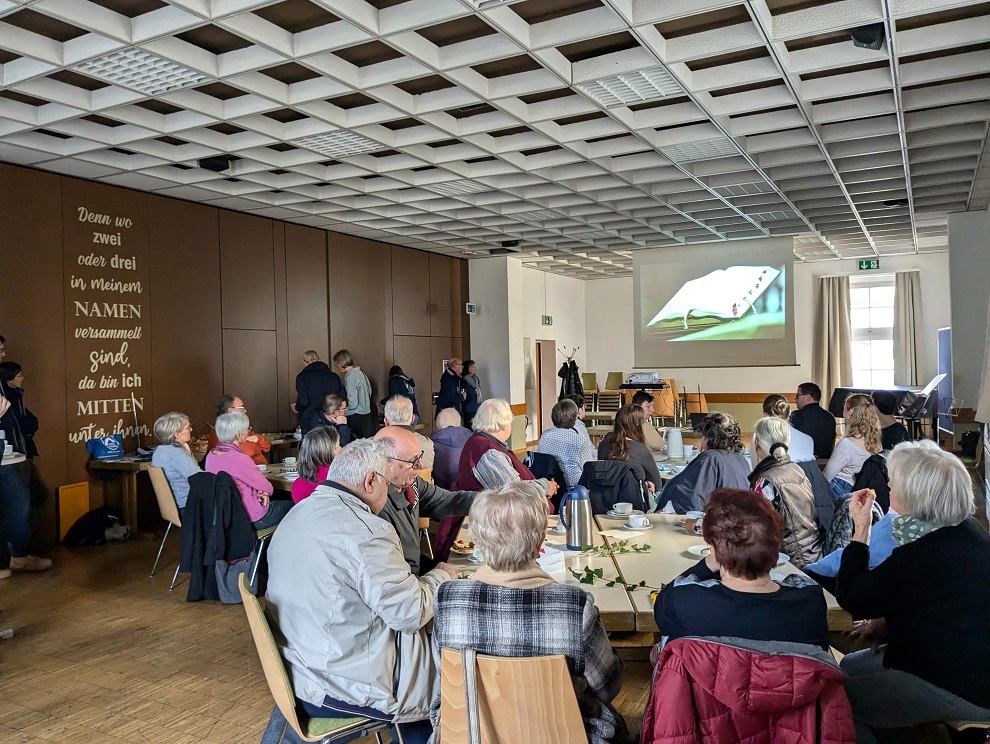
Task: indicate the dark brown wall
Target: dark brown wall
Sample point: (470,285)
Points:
(233,301)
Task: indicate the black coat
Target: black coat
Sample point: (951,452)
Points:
(344,432)
(818,424)
(405,386)
(215,526)
(610,482)
(451,392)
(315,382)
(570,379)
(19,424)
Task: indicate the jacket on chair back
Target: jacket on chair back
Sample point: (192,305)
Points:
(734,690)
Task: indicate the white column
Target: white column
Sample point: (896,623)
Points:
(969,279)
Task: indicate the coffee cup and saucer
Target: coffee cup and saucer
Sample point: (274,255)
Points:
(638,522)
(622,510)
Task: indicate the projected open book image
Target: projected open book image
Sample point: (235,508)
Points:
(738,302)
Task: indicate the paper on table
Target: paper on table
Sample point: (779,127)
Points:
(552,561)
(620,534)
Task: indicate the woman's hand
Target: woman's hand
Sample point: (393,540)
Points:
(252,438)
(4,405)
(263,498)
(861,511)
(651,485)
(551,487)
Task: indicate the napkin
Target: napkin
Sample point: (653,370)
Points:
(552,561)
(620,534)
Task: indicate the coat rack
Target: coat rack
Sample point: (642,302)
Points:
(568,355)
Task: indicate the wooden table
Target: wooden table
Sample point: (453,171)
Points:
(127,468)
(600,416)
(598,433)
(669,557)
(613,603)
(276,476)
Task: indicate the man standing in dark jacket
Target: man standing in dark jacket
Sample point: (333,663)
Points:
(314,383)
(814,420)
(452,393)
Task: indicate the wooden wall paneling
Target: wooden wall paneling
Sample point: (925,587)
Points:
(410,292)
(249,371)
(360,303)
(441,295)
(107,316)
(186,336)
(247,265)
(461,298)
(307,303)
(32,312)
(285,418)
(414,354)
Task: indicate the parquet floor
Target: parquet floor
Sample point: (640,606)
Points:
(103,654)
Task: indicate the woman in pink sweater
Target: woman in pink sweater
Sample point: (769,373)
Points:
(232,430)
(316,452)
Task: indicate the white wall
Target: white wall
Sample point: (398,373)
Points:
(490,334)
(969,268)
(610,319)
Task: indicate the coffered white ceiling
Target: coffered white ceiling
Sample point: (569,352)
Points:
(584,129)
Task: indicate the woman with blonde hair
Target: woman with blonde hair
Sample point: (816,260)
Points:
(862,440)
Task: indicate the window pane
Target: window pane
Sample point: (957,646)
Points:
(882,355)
(859,297)
(882,378)
(861,355)
(882,317)
(860,318)
(882,296)
(862,378)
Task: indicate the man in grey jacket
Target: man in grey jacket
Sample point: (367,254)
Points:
(351,617)
(409,496)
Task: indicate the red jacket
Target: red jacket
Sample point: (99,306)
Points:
(712,690)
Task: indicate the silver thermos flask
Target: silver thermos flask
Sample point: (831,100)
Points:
(575,514)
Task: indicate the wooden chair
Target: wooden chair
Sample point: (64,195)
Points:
(264,536)
(528,700)
(307,729)
(169,510)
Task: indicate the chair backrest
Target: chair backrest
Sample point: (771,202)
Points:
(271,659)
(609,482)
(163,493)
(589,380)
(528,700)
(613,380)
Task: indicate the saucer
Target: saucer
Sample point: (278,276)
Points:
(647,526)
(782,558)
(616,515)
(700,550)
(474,558)
(462,551)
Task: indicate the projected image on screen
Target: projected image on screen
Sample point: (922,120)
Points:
(734,303)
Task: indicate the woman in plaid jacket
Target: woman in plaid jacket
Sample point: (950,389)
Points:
(513,608)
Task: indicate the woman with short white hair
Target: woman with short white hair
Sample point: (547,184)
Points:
(174,456)
(933,591)
(788,489)
(486,461)
(232,430)
(513,608)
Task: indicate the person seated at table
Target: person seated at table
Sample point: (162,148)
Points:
(174,456)
(362,420)
(334,415)
(892,431)
(579,425)
(564,442)
(399,383)
(719,464)
(862,439)
(784,484)
(316,451)
(882,544)
(232,430)
(448,439)
(933,591)
(511,607)
(399,412)
(486,461)
(729,593)
(814,420)
(651,437)
(351,618)
(626,443)
(802,447)
(255,446)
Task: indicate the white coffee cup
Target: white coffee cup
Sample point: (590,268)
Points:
(289,461)
(688,451)
(622,507)
(638,520)
(695,515)
(262,468)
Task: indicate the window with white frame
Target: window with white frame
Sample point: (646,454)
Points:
(871,307)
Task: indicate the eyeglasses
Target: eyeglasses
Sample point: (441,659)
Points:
(416,461)
(239,408)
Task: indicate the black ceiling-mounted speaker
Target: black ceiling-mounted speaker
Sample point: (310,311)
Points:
(215,163)
(870,36)
(510,244)
(499,251)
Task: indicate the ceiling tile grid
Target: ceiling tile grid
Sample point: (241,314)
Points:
(569,133)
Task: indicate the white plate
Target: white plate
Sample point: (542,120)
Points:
(659,458)
(700,550)
(782,558)
(290,476)
(647,526)
(616,515)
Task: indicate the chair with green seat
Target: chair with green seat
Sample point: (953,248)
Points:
(308,729)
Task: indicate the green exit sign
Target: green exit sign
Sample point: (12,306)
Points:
(869,264)
(547,320)
(471,308)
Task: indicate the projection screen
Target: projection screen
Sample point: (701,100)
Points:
(715,305)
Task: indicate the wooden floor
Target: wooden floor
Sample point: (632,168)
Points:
(103,653)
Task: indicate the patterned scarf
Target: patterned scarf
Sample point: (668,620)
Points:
(907,529)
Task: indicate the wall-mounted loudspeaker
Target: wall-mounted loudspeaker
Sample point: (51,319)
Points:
(869,37)
(215,163)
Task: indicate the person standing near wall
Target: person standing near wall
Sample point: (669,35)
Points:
(359,416)
(452,393)
(472,386)
(314,383)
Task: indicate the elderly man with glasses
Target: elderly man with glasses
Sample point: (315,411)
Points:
(351,617)
(410,497)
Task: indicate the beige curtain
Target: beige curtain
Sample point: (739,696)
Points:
(831,358)
(983,399)
(907,328)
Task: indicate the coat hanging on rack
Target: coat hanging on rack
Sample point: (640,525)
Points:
(570,379)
